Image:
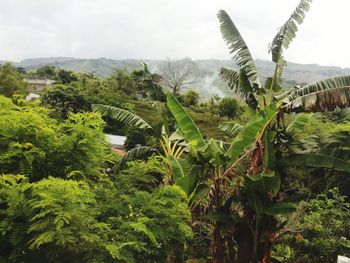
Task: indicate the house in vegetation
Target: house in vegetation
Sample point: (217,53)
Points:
(38,84)
(118,143)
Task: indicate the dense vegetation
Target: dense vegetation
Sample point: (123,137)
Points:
(261,176)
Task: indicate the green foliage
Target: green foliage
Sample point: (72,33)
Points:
(238,49)
(46,71)
(141,175)
(148,85)
(64,215)
(323,225)
(65,99)
(122,81)
(65,76)
(251,131)
(189,98)
(15,213)
(187,126)
(229,107)
(137,153)
(287,32)
(35,145)
(11,81)
(125,218)
(143,215)
(124,116)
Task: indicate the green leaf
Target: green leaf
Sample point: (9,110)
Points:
(250,131)
(150,87)
(186,176)
(213,152)
(344,242)
(231,77)
(280,208)
(238,48)
(199,193)
(287,32)
(318,161)
(320,96)
(255,203)
(230,128)
(263,183)
(185,122)
(299,122)
(138,153)
(124,116)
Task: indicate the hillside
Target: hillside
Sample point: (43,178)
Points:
(208,84)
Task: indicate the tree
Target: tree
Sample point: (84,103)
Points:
(229,107)
(66,99)
(65,76)
(36,145)
(124,217)
(11,81)
(144,83)
(243,178)
(318,230)
(122,81)
(47,71)
(190,98)
(177,74)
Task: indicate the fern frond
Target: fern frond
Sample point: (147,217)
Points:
(124,116)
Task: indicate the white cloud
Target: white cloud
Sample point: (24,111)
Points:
(167,28)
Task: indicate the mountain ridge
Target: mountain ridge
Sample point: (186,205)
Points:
(208,69)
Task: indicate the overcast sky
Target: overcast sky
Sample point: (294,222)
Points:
(158,29)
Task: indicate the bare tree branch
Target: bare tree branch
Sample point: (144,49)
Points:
(178,73)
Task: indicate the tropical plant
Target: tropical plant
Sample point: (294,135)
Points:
(317,231)
(33,144)
(255,150)
(11,80)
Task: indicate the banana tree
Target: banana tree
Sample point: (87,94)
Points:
(254,146)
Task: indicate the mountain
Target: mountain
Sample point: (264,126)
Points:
(208,69)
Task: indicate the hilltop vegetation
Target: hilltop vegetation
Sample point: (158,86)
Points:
(208,82)
(261,176)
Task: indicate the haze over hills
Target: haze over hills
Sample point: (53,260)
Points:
(208,81)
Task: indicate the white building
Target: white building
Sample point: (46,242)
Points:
(117,143)
(38,84)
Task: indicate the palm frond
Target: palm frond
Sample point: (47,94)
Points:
(238,48)
(151,88)
(240,82)
(124,116)
(299,122)
(231,77)
(330,151)
(327,94)
(230,128)
(138,153)
(287,32)
(190,131)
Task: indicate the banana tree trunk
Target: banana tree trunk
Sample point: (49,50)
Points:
(245,242)
(267,238)
(179,253)
(218,245)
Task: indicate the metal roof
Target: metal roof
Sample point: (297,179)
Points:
(116,139)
